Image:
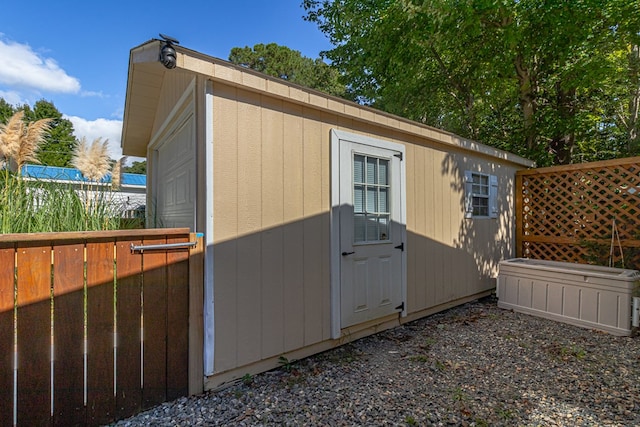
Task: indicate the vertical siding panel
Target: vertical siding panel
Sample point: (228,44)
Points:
(293,233)
(7,289)
(225,225)
(412,240)
(312,227)
(34,335)
(451,259)
(272,234)
(439,247)
(431,248)
(330,122)
(454,264)
(173,88)
(422,216)
(100,360)
(68,326)
(249,313)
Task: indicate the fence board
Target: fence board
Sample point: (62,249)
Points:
(178,319)
(155,348)
(34,335)
(101,403)
(101,301)
(128,346)
(68,336)
(7,274)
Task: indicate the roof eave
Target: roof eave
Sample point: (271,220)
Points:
(141,100)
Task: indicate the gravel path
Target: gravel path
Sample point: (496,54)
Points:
(474,365)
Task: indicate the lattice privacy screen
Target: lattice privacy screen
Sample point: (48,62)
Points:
(570,213)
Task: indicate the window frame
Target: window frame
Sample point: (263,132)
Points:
(377,214)
(471,196)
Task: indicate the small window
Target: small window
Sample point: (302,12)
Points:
(481,195)
(371,199)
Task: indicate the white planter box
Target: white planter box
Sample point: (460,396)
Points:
(583,295)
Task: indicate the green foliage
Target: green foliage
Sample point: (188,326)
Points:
(247,379)
(280,61)
(554,81)
(136,167)
(410,420)
(34,206)
(286,364)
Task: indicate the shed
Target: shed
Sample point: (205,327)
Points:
(324,220)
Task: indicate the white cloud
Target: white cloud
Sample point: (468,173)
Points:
(94,94)
(26,68)
(12,97)
(99,128)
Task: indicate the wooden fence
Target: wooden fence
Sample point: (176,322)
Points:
(584,213)
(92,331)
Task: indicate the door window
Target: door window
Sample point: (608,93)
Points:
(371,207)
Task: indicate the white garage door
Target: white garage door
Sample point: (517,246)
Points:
(175,186)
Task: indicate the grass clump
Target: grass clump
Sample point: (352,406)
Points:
(29,205)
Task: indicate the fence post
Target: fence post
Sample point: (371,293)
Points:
(519,214)
(196,316)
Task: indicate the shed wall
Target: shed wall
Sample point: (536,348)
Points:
(173,87)
(272,223)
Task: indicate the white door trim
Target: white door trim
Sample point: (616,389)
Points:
(336,137)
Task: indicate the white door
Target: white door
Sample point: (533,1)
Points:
(175,176)
(372,229)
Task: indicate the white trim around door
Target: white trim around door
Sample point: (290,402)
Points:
(368,229)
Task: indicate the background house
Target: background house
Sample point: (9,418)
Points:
(129,197)
(324,220)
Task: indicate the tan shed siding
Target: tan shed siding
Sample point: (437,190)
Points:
(225,226)
(293,229)
(272,224)
(271,227)
(173,87)
(249,261)
(313,208)
(272,234)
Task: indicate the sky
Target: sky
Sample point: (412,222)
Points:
(75,54)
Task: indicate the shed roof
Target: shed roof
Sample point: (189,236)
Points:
(146,74)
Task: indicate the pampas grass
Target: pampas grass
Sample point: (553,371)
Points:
(29,206)
(92,160)
(19,142)
(116,174)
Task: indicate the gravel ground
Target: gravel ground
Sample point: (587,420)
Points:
(473,365)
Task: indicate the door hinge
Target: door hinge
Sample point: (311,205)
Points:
(400,246)
(400,307)
(398,155)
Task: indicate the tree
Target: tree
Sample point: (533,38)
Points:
(535,77)
(6,111)
(57,150)
(280,61)
(136,167)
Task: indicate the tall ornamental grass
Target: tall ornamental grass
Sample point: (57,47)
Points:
(35,206)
